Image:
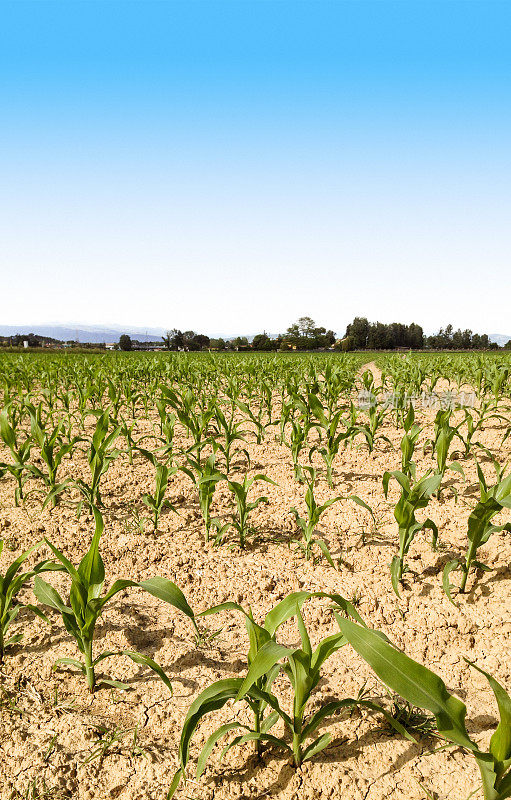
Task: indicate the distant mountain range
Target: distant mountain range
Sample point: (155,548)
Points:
(81,334)
(97,334)
(499,338)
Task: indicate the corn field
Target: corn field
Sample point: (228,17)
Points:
(240,575)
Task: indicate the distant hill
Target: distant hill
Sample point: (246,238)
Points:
(500,338)
(93,335)
(96,335)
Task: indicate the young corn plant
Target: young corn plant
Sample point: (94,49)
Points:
(426,690)
(11,582)
(370,429)
(330,436)
(492,501)
(441,444)
(413,497)
(100,455)
(256,418)
(225,434)
(308,524)
(205,476)
(240,518)
(297,441)
(126,431)
(167,428)
(266,659)
(86,604)
(475,420)
(20,452)
(156,502)
(408,442)
(195,421)
(53,450)
(302,666)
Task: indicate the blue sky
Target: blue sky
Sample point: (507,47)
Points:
(230,166)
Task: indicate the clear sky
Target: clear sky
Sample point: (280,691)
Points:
(229,166)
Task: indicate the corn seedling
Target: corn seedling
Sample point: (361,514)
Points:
(441,444)
(205,476)
(327,426)
(53,450)
(492,501)
(370,429)
(408,442)
(167,428)
(85,606)
(156,502)
(413,497)
(11,582)
(240,518)
(297,441)
(100,455)
(225,434)
(20,452)
(256,420)
(308,524)
(195,421)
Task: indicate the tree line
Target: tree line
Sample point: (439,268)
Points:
(304,334)
(364,335)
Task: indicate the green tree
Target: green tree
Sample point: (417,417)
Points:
(358,331)
(306,327)
(263,342)
(125,342)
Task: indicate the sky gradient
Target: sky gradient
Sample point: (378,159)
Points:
(230,166)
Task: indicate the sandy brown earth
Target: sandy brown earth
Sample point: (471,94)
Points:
(51,725)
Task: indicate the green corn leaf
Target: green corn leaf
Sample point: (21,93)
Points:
(16,564)
(500,742)
(325,649)
(70,569)
(394,574)
(113,684)
(269,654)
(456,467)
(211,699)
(6,431)
(139,658)
(71,662)
(447,586)
(326,552)
(97,603)
(168,592)
(49,596)
(317,746)
(415,683)
(211,742)
(285,610)
(358,500)
(174,784)
(269,721)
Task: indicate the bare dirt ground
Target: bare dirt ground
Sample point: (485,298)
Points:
(50,724)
